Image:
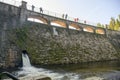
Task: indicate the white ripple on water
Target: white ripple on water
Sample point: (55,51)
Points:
(32,71)
(28,70)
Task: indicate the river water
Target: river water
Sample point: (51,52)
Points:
(105,70)
(108,70)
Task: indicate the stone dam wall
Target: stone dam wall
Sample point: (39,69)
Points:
(9,19)
(47,44)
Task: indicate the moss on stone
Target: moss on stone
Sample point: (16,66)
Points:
(45,48)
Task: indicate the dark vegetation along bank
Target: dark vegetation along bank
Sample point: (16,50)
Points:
(54,45)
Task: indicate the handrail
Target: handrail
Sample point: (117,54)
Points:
(8,75)
(47,12)
(58,15)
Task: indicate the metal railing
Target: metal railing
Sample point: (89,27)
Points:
(47,12)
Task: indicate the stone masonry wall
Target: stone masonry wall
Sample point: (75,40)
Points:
(54,45)
(9,19)
(114,39)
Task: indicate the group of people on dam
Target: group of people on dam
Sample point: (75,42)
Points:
(64,16)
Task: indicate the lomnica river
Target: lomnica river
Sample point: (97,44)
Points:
(106,70)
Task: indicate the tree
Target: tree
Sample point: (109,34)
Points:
(117,25)
(100,25)
(119,17)
(112,24)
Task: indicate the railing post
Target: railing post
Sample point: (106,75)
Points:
(23,12)
(49,22)
(24,4)
(94,30)
(106,29)
(67,25)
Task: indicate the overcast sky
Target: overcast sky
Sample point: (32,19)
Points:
(89,10)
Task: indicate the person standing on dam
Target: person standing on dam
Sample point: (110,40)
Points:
(66,16)
(41,10)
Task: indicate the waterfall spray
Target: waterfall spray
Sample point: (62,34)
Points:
(26,60)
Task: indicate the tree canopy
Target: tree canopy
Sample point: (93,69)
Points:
(114,24)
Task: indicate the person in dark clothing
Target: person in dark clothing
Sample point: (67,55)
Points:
(77,19)
(66,16)
(33,7)
(85,21)
(41,10)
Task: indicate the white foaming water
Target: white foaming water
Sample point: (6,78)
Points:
(26,61)
(28,70)
(32,71)
(55,31)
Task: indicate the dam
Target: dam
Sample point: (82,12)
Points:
(49,44)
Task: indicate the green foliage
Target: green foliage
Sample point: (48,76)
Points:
(21,37)
(117,25)
(119,17)
(100,25)
(114,24)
